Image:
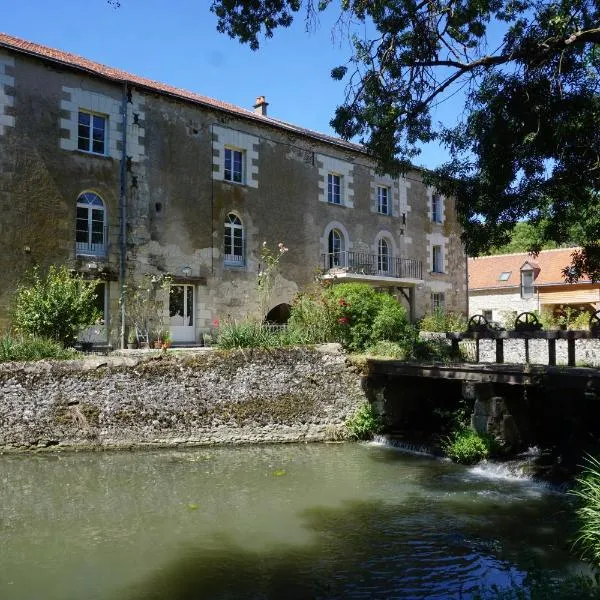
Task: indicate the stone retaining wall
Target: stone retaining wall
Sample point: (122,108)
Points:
(281,395)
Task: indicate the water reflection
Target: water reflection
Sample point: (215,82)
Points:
(305,521)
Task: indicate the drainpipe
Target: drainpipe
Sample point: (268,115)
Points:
(123,214)
(467,281)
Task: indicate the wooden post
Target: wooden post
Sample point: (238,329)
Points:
(476,348)
(526,350)
(552,352)
(571,350)
(499,350)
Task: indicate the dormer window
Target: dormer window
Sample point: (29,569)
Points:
(527,277)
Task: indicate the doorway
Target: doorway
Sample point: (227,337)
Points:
(181,313)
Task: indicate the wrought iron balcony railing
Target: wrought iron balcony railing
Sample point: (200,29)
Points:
(361,263)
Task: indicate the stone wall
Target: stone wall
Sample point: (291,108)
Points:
(211,397)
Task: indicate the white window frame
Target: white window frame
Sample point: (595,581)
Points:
(88,247)
(90,138)
(437,208)
(242,161)
(232,258)
(383,199)
(335,183)
(336,249)
(384,258)
(438,301)
(437,259)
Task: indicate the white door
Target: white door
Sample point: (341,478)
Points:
(181,313)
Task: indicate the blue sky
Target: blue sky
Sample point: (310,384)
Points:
(177,43)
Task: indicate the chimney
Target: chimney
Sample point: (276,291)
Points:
(260,107)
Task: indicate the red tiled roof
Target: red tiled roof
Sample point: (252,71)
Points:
(117,75)
(484,271)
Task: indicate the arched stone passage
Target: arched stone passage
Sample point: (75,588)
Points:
(279,314)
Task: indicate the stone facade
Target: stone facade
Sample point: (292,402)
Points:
(504,304)
(192,399)
(191,165)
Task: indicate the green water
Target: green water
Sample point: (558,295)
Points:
(286,521)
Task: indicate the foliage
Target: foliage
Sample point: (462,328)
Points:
(526,73)
(565,318)
(468,447)
(57,305)
(267,274)
(441,320)
(145,306)
(365,316)
(387,349)
(248,334)
(364,423)
(23,348)
(523,236)
(587,491)
(313,316)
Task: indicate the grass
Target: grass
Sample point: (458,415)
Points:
(23,348)
(587,490)
(364,423)
(468,447)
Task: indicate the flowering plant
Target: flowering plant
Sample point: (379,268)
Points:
(267,274)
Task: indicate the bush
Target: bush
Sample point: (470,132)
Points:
(365,317)
(32,348)
(443,321)
(587,490)
(467,447)
(55,306)
(313,317)
(387,350)
(364,423)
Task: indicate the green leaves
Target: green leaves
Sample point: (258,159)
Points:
(57,305)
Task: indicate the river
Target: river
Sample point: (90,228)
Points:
(286,521)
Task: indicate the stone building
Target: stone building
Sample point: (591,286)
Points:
(121,177)
(504,285)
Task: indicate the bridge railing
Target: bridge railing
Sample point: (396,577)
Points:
(526,327)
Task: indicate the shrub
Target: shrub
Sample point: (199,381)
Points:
(365,316)
(55,306)
(364,423)
(468,447)
(443,321)
(387,350)
(313,317)
(32,348)
(587,490)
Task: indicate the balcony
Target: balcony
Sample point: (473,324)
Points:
(94,245)
(371,268)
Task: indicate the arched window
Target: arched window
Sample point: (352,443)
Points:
(234,240)
(90,229)
(336,249)
(383,256)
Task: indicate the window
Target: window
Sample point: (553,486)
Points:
(504,276)
(383,206)
(487,315)
(438,301)
(90,228)
(336,248)
(91,133)
(436,208)
(526,283)
(234,241)
(334,188)
(437,263)
(383,256)
(234,165)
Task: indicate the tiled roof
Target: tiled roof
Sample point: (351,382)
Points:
(117,75)
(485,271)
